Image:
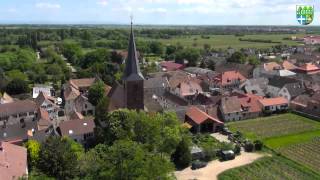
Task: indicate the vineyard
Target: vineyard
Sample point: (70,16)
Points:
(307,153)
(274,126)
(270,168)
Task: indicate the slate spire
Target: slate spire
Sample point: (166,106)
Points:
(132,71)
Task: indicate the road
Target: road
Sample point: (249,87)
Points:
(214,168)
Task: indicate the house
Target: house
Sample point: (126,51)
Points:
(227,80)
(157,85)
(81,130)
(240,106)
(271,69)
(47,90)
(308,104)
(271,105)
(308,68)
(5,98)
(244,69)
(200,121)
(196,71)
(48,103)
(76,92)
(20,132)
(288,65)
(170,66)
(311,40)
(285,87)
(231,109)
(17,112)
(255,86)
(188,90)
(13,161)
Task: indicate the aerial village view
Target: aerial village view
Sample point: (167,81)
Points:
(159,90)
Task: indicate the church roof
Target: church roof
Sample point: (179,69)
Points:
(132,71)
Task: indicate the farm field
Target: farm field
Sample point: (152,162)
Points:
(307,153)
(225,41)
(274,126)
(270,168)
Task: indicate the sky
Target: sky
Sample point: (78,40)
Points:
(157,12)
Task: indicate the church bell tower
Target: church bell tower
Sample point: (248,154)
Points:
(132,78)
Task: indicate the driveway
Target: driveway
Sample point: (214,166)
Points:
(214,168)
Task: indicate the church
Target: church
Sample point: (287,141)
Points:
(129,94)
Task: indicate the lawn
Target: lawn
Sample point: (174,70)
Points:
(225,41)
(270,168)
(274,126)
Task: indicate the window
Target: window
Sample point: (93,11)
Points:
(85,106)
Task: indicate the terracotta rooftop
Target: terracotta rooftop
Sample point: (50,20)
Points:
(79,83)
(43,119)
(13,161)
(170,65)
(273,101)
(190,88)
(199,116)
(309,67)
(288,65)
(228,77)
(231,104)
(271,66)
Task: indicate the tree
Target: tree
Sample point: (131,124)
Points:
(96,93)
(125,159)
(58,158)
(190,54)
(156,47)
(253,60)
(33,149)
(17,86)
(237,57)
(237,149)
(16,74)
(182,156)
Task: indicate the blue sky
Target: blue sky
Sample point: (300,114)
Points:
(195,12)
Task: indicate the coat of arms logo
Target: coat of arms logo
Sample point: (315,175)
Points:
(304,14)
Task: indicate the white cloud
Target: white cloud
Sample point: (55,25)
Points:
(45,5)
(103,2)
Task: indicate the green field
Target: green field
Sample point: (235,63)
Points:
(307,153)
(275,168)
(274,126)
(225,41)
(293,136)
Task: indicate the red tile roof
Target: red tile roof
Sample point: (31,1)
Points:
(17,107)
(288,65)
(190,88)
(199,116)
(229,77)
(44,120)
(13,161)
(309,67)
(273,101)
(171,66)
(85,82)
(271,66)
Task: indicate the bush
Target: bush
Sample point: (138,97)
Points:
(248,146)
(258,145)
(237,149)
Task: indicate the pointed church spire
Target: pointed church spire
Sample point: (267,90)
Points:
(132,71)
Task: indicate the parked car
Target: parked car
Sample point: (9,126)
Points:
(227,155)
(198,164)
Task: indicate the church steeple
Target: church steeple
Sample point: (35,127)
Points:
(132,71)
(133,80)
